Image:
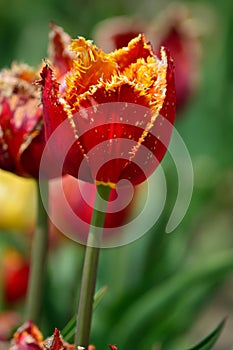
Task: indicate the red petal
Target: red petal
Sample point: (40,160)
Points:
(59,53)
(21,126)
(54,113)
(158,138)
(6,160)
(57,342)
(64,147)
(137,48)
(109,120)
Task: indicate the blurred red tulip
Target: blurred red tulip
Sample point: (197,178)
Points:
(15,270)
(80,197)
(113,347)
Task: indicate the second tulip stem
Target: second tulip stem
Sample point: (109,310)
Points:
(38,259)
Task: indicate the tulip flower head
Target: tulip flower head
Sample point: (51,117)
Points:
(29,337)
(22,139)
(109,113)
(21,127)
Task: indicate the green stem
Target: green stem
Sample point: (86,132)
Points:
(89,274)
(38,258)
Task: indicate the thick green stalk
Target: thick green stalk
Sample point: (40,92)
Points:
(38,258)
(89,274)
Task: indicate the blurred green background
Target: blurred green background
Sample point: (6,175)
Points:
(164,291)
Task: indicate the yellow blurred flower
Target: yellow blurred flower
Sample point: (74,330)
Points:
(17,202)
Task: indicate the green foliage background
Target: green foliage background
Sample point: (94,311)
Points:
(164,291)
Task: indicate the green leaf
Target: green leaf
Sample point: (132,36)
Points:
(68,331)
(210,340)
(157,301)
